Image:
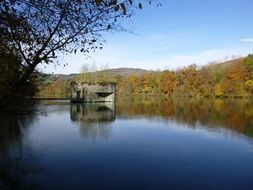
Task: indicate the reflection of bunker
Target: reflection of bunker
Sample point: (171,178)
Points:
(88,92)
(92,112)
(94,118)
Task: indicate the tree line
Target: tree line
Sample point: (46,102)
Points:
(230,79)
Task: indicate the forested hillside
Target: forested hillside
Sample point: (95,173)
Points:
(230,79)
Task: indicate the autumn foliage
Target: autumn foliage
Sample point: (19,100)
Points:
(230,79)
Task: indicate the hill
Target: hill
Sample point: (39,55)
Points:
(124,72)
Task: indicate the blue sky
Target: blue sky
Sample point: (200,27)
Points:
(177,34)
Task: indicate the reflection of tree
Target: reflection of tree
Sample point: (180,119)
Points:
(94,118)
(234,114)
(17,167)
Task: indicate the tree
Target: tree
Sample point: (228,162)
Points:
(167,82)
(249,85)
(40,30)
(11,70)
(248,62)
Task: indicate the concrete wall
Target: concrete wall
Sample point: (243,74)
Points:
(93,92)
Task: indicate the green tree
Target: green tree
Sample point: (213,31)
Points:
(248,62)
(249,85)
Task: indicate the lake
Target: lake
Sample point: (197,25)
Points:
(132,144)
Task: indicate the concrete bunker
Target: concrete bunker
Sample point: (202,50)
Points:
(93,92)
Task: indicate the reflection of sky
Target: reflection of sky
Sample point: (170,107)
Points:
(59,128)
(176,34)
(146,152)
(56,131)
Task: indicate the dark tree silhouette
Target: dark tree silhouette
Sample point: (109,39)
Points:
(39,30)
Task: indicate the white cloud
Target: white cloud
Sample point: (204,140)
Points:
(247,40)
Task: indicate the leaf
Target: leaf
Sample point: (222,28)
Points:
(140,6)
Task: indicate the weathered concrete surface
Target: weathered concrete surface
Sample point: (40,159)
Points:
(99,92)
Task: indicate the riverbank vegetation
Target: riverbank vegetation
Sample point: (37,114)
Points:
(10,74)
(33,34)
(229,79)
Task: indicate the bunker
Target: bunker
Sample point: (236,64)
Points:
(93,92)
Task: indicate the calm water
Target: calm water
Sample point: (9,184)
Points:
(135,144)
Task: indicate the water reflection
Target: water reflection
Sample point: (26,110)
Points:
(235,114)
(94,118)
(45,150)
(18,166)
